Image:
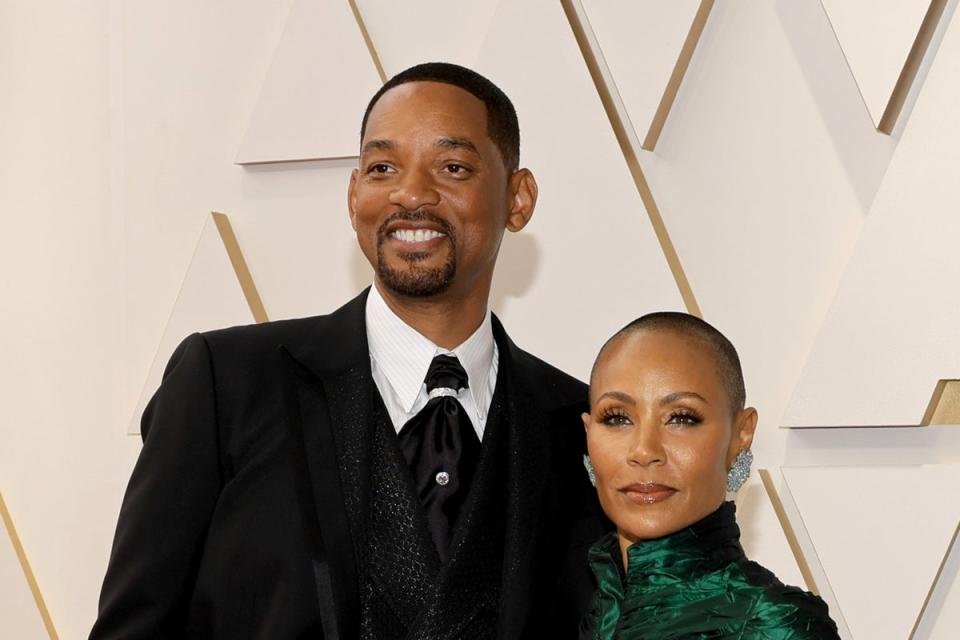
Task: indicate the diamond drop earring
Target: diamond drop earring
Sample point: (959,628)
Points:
(740,470)
(588,465)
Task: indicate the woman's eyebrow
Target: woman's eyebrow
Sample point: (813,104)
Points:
(618,395)
(681,395)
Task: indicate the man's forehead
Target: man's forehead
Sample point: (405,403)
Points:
(442,142)
(425,98)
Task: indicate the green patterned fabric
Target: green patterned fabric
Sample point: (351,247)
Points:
(697,584)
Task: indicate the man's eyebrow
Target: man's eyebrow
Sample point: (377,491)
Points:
(618,395)
(680,395)
(377,144)
(456,143)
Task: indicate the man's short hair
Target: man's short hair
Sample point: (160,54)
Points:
(684,324)
(502,125)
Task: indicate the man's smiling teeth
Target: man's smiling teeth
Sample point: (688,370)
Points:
(416,235)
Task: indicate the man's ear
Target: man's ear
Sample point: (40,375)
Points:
(744,426)
(523,199)
(352,198)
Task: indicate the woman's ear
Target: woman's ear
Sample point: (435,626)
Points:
(523,199)
(586,420)
(744,426)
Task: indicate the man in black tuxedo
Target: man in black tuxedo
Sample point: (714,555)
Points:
(396,469)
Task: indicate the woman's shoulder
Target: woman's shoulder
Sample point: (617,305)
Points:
(780,606)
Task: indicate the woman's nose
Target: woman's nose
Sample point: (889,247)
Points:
(647,446)
(415,189)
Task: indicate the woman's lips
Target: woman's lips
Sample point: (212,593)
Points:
(647,492)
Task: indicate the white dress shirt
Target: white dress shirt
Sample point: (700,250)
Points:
(400,357)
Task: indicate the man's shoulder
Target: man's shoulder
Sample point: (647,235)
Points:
(292,331)
(265,332)
(322,334)
(552,387)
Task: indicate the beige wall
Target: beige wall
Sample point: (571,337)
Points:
(825,249)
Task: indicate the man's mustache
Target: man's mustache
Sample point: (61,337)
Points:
(417,215)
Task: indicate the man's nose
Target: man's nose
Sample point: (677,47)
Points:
(415,189)
(646,447)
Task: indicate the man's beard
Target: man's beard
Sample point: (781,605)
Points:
(417,281)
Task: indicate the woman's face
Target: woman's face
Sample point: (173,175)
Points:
(661,433)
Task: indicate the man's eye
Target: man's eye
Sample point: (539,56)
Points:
(379,167)
(456,169)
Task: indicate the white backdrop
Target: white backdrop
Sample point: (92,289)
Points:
(825,249)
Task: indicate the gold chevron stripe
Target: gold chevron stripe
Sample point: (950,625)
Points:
(788,531)
(911,66)
(630,155)
(27,571)
(367,40)
(679,70)
(240,267)
(944,405)
(936,579)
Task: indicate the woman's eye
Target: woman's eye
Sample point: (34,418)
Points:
(684,419)
(615,419)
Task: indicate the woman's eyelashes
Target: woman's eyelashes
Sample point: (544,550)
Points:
(618,417)
(614,417)
(684,417)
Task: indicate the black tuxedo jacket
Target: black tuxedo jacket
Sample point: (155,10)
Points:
(239,518)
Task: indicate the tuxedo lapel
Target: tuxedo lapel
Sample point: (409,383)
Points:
(531,505)
(328,398)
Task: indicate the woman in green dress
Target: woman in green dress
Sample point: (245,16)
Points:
(669,435)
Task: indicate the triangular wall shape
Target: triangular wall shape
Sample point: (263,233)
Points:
(211,297)
(878,38)
(646,46)
(861,520)
(941,616)
(891,332)
(322,66)
(587,254)
(415,31)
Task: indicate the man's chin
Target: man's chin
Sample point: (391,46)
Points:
(417,282)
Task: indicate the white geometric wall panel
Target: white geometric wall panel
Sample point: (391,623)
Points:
(760,532)
(296,237)
(764,234)
(894,523)
(863,153)
(876,36)
(872,446)
(210,298)
(640,42)
(598,252)
(892,331)
(941,619)
(317,87)
(414,31)
(19,616)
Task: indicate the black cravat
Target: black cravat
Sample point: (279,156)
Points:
(442,449)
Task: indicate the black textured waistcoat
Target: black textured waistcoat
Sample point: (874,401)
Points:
(405,592)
